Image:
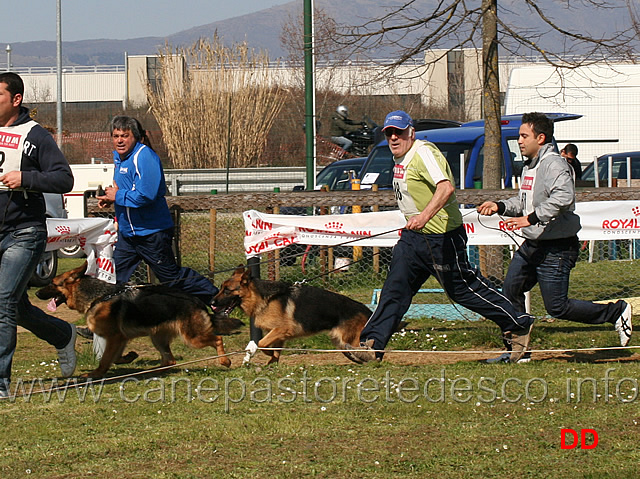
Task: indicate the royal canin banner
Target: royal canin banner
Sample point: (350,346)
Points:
(601,220)
(96,236)
(265,232)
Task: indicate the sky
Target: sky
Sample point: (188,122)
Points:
(31,20)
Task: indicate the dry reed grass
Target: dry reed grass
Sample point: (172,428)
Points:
(220,110)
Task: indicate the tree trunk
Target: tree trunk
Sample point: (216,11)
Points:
(491,256)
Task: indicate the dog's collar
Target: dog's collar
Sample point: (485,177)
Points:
(109,296)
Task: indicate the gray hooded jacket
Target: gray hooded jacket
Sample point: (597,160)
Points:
(547,196)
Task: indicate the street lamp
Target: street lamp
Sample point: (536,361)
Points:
(8,50)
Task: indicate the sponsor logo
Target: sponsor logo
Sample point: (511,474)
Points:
(398,172)
(9,140)
(527,183)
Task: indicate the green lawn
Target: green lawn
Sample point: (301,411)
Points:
(433,412)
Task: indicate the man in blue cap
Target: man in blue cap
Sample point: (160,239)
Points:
(433,243)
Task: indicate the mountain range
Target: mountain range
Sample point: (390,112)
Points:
(262,30)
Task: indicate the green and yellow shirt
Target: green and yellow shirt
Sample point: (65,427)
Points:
(415,176)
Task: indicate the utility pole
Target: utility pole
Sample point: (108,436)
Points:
(59,73)
(310,95)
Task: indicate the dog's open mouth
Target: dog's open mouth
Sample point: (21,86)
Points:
(56,299)
(228,304)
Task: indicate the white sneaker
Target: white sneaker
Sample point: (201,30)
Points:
(67,355)
(623,325)
(99,345)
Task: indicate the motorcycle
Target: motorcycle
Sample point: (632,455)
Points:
(363,139)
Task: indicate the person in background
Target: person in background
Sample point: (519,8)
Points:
(32,164)
(570,153)
(433,243)
(340,126)
(543,213)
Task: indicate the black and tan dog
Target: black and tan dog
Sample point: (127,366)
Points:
(284,311)
(119,313)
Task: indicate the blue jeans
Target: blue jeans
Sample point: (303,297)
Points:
(20,252)
(549,264)
(343,142)
(155,250)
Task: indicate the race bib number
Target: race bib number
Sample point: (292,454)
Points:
(12,145)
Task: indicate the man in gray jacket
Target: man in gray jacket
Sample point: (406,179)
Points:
(544,214)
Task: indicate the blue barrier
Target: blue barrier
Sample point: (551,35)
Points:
(449,312)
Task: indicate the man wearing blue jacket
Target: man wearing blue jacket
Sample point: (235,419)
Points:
(145,226)
(30,164)
(543,213)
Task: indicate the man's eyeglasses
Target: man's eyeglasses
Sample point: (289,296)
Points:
(389,132)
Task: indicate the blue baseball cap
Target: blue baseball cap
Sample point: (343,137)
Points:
(397,119)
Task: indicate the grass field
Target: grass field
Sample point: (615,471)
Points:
(433,410)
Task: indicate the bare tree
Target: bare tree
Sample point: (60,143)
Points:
(367,88)
(219,110)
(456,24)
(327,58)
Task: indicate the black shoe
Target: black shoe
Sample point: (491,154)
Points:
(85,333)
(506,357)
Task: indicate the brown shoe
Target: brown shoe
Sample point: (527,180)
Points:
(363,355)
(519,341)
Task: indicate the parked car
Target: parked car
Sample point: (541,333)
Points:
(336,176)
(47,268)
(422,124)
(618,170)
(467,140)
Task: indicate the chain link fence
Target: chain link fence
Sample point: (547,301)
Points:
(210,236)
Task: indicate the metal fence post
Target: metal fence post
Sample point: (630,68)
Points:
(254,269)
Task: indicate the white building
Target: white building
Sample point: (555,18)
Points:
(608,97)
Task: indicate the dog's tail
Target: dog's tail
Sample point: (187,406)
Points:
(225,324)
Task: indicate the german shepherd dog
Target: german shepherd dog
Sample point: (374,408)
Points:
(119,313)
(284,311)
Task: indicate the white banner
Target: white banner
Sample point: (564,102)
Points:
(265,232)
(601,220)
(96,236)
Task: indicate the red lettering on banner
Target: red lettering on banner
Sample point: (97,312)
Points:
(9,140)
(469,227)
(262,225)
(504,227)
(273,242)
(282,242)
(361,233)
(106,265)
(620,223)
(257,248)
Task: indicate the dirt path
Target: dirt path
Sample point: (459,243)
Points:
(400,358)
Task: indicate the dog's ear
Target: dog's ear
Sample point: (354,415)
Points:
(80,270)
(246,277)
(239,269)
